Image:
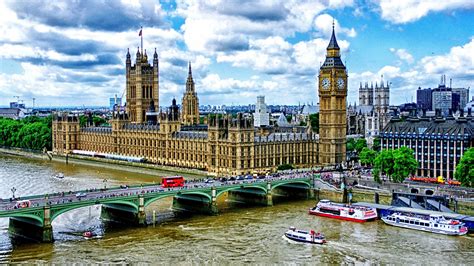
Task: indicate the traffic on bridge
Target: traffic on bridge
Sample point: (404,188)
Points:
(125,190)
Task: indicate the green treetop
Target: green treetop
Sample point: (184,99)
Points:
(465,169)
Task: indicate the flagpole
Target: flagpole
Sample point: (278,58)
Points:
(141,35)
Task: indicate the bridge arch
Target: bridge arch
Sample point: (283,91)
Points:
(429,192)
(38,220)
(150,200)
(59,211)
(240,187)
(290,182)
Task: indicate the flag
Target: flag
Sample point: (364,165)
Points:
(140,33)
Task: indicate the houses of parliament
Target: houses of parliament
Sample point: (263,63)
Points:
(224,145)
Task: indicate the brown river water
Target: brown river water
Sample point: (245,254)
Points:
(239,234)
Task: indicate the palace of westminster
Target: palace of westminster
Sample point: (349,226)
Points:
(225,145)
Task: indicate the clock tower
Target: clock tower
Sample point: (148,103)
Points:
(332,91)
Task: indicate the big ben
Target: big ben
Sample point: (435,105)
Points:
(332,91)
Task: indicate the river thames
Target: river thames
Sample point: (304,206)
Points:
(239,234)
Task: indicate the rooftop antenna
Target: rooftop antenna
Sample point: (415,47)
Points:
(34,103)
(450,82)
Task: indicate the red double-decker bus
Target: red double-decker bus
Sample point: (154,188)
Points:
(172,181)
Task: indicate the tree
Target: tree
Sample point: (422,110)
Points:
(383,164)
(31,133)
(396,164)
(285,166)
(367,156)
(376,145)
(97,120)
(82,120)
(360,144)
(350,145)
(404,164)
(314,121)
(465,169)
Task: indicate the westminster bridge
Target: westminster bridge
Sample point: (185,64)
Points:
(32,216)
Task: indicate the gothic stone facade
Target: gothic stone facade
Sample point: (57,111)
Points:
(142,86)
(225,146)
(332,106)
(372,114)
(228,146)
(190,106)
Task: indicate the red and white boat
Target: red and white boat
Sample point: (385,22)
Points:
(345,212)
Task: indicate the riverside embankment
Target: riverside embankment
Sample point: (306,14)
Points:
(144,168)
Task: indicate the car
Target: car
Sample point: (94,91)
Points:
(248,177)
(261,177)
(209,181)
(223,179)
(239,177)
(124,186)
(81,194)
(231,178)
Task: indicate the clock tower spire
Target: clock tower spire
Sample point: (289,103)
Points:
(332,91)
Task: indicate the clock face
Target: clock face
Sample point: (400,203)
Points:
(340,83)
(326,83)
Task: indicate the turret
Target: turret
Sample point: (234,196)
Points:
(155,58)
(138,55)
(128,62)
(190,81)
(145,57)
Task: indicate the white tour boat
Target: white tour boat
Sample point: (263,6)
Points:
(432,223)
(304,236)
(346,212)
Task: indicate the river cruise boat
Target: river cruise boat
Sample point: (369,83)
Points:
(304,236)
(430,223)
(345,212)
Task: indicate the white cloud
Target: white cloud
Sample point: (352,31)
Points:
(405,11)
(230,26)
(459,62)
(402,54)
(323,23)
(269,55)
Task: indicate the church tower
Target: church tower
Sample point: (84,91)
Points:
(142,86)
(190,107)
(332,93)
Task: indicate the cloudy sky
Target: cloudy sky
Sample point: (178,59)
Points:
(73,52)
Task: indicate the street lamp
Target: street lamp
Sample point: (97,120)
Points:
(13,190)
(105,184)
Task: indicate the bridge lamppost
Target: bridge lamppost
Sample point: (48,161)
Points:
(13,190)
